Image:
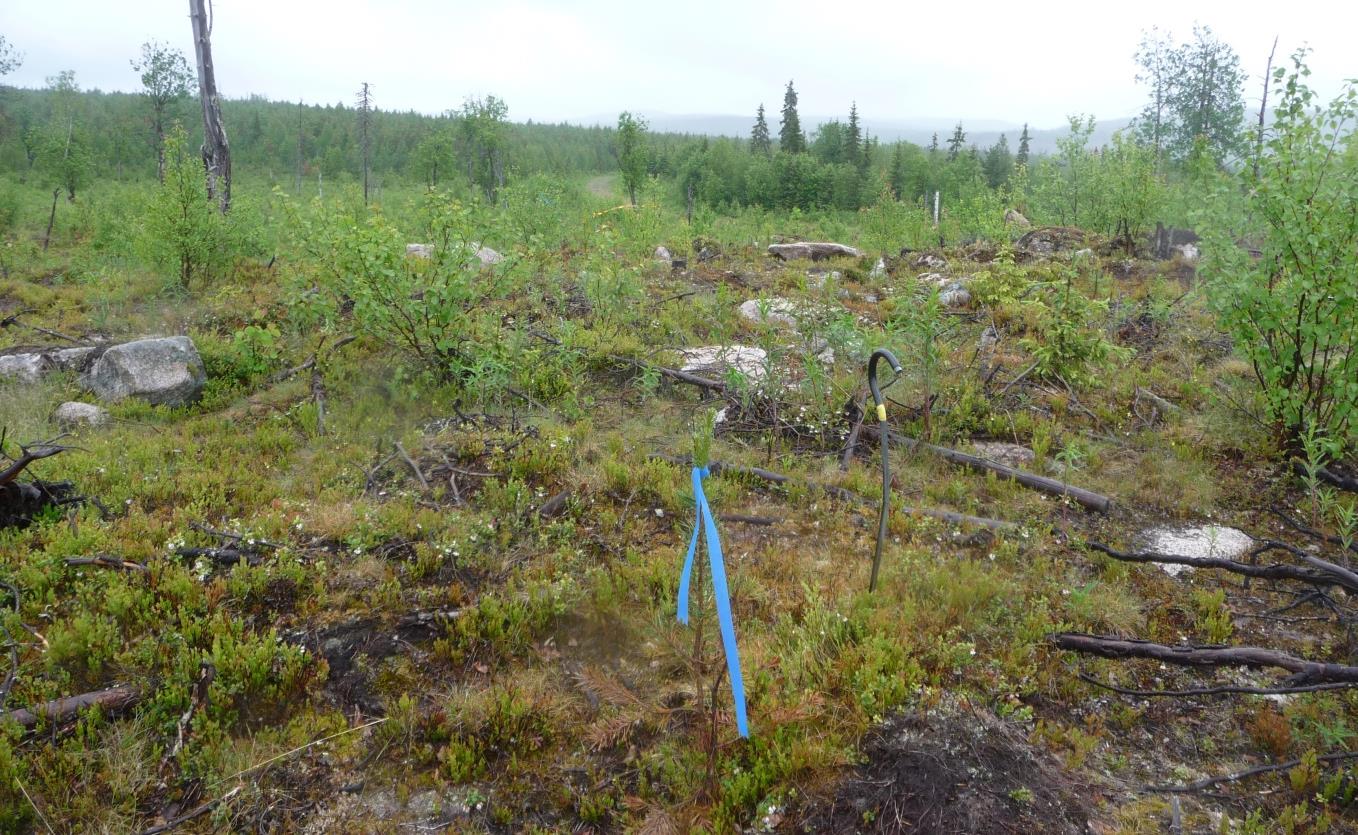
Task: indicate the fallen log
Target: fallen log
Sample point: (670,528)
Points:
(1319,576)
(27,457)
(224,557)
(196,812)
(555,505)
(107,562)
(111,700)
(1304,671)
(1222,690)
(746,519)
(310,362)
(1086,498)
(1208,782)
(674,374)
(717,468)
(851,443)
(691,379)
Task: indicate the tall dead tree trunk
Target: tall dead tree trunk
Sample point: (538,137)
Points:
(1263,108)
(365,108)
(216,153)
(301,144)
(56,192)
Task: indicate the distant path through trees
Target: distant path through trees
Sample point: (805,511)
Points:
(604,185)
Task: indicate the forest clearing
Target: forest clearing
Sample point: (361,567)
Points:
(349,470)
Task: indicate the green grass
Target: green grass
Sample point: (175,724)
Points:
(554,687)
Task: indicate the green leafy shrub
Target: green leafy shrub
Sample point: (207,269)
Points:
(1293,309)
(1067,344)
(431,309)
(182,226)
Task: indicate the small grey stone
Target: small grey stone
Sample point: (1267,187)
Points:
(73,414)
(955,295)
(663,254)
(484,254)
(776,311)
(1010,455)
(813,250)
(930,261)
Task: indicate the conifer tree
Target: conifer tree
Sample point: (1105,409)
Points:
(853,139)
(365,118)
(760,142)
(999,163)
(790,136)
(898,170)
(1021,158)
(959,138)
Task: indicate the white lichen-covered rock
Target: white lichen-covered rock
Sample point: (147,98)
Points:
(663,254)
(815,279)
(165,372)
(487,255)
(775,311)
(716,360)
(1010,455)
(930,261)
(813,251)
(955,296)
(1015,218)
(24,368)
(1195,541)
(878,271)
(484,254)
(937,279)
(74,415)
(1188,253)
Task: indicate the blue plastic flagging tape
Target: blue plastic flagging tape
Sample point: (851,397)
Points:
(706,523)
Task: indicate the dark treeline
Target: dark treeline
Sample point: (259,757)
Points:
(67,137)
(838,166)
(283,141)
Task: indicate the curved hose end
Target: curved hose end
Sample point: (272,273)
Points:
(880,353)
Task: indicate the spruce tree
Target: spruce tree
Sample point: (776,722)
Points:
(790,136)
(959,138)
(1021,158)
(853,139)
(760,142)
(898,170)
(933,146)
(999,163)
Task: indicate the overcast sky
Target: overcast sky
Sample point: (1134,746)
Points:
(575,59)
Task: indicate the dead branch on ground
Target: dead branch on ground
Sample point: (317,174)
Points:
(1086,498)
(1304,671)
